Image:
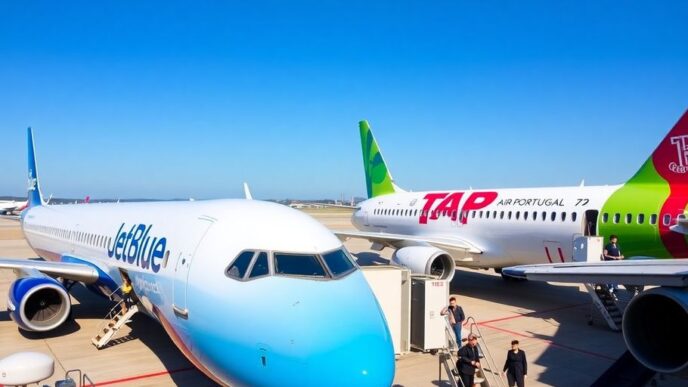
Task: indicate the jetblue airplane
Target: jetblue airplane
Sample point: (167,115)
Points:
(252,293)
(433,231)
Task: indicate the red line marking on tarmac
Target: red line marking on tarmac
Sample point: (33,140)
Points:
(144,376)
(550,342)
(533,314)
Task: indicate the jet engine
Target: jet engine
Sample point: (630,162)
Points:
(426,260)
(654,327)
(38,303)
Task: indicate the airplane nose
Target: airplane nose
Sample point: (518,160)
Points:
(352,345)
(366,360)
(311,333)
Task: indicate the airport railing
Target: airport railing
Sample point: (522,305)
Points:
(492,374)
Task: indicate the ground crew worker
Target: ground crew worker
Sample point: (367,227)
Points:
(469,361)
(127,293)
(456,318)
(612,252)
(515,366)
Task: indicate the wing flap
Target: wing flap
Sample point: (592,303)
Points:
(648,272)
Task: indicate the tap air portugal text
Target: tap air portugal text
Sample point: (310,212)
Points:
(433,231)
(208,272)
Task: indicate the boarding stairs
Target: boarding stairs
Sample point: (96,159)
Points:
(605,303)
(114,321)
(487,375)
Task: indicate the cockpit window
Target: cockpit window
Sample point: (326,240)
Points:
(338,262)
(260,267)
(298,264)
(238,268)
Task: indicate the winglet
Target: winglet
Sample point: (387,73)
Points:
(247,192)
(34,188)
(379,180)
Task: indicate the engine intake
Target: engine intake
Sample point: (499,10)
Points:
(426,260)
(38,303)
(654,327)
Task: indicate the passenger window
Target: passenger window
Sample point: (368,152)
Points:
(563,216)
(617,218)
(554,216)
(260,267)
(494,214)
(487,214)
(298,264)
(509,215)
(629,218)
(473,214)
(641,218)
(481,214)
(338,262)
(238,268)
(525,215)
(535,215)
(501,215)
(518,214)
(544,216)
(573,216)
(653,219)
(666,219)
(605,217)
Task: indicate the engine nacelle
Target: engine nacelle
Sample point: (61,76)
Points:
(426,260)
(38,303)
(654,327)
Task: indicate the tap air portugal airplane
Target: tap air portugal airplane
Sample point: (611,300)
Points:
(253,293)
(494,228)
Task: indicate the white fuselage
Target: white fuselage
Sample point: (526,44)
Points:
(510,226)
(262,330)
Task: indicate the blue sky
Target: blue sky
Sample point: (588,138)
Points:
(170,99)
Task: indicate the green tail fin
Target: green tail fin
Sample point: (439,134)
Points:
(378,179)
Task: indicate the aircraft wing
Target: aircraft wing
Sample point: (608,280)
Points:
(388,239)
(659,272)
(10,217)
(72,271)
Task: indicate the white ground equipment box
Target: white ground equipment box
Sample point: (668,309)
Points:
(428,296)
(587,249)
(392,288)
(24,368)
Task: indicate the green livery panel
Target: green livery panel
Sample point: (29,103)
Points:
(378,178)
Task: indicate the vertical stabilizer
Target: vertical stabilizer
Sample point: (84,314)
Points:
(34,191)
(378,178)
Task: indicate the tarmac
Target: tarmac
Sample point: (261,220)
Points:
(550,320)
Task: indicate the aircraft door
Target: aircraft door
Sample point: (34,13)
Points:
(185,258)
(72,237)
(590,223)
